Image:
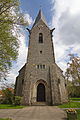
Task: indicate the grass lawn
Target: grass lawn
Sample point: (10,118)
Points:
(5,119)
(78,114)
(70,105)
(6,106)
(75,99)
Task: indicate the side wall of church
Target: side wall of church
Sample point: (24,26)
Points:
(59,93)
(62,86)
(54,86)
(19,82)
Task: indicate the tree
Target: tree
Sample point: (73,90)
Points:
(73,75)
(10,21)
(73,70)
(7,96)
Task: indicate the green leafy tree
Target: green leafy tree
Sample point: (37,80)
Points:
(10,22)
(73,75)
(73,70)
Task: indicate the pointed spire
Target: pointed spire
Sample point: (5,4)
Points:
(40,17)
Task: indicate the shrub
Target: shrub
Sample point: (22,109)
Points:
(17,100)
(74,91)
(7,96)
(5,119)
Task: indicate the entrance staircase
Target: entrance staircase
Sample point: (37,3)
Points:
(40,104)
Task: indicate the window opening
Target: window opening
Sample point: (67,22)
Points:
(43,66)
(40,38)
(59,81)
(22,81)
(38,66)
(40,52)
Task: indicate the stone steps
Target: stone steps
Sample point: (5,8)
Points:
(40,104)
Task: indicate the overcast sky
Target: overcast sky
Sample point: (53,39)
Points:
(64,15)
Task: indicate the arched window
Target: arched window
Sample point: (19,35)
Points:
(22,81)
(40,38)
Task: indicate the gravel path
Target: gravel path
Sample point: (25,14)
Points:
(34,113)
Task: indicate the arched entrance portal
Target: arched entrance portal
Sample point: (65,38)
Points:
(41,93)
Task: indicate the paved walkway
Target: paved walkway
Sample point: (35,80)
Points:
(71,108)
(34,113)
(75,101)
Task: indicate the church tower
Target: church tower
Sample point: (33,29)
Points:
(40,80)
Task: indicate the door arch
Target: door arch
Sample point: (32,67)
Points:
(41,93)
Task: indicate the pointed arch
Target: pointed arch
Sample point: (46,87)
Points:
(41,92)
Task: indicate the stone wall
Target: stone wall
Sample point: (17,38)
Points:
(20,82)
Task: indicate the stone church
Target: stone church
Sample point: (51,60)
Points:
(40,80)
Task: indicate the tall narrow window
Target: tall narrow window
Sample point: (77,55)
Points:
(37,66)
(43,66)
(22,81)
(40,38)
(40,66)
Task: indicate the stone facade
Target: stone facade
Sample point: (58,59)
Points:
(40,79)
